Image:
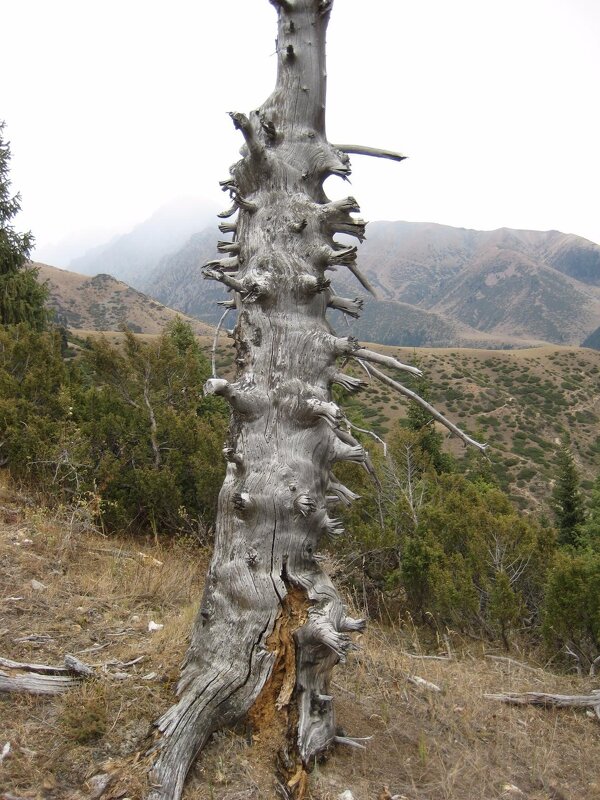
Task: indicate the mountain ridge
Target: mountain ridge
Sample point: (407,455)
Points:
(104,303)
(454,286)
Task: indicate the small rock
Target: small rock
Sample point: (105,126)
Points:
(98,785)
(510,790)
(5,752)
(347,795)
(155,626)
(38,585)
(135,618)
(119,676)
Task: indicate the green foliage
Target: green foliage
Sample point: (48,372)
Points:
(572,603)
(22,297)
(567,501)
(34,405)
(473,561)
(449,548)
(125,427)
(154,442)
(589,535)
(422,423)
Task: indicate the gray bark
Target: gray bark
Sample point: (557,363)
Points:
(41,678)
(271,626)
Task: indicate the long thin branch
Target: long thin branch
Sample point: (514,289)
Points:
(152,417)
(361,279)
(215,342)
(388,361)
(368,433)
(424,404)
(375,152)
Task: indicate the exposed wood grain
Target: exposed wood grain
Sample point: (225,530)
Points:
(550,700)
(375,152)
(41,678)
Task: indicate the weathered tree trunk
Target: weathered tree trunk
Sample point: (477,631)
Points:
(271,626)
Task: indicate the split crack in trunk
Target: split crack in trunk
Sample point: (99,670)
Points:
(273,732)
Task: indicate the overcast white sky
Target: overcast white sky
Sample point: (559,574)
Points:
(116,107)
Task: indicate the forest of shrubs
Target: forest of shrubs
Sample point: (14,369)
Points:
(124,431)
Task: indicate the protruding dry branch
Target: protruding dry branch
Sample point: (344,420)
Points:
(352,742)
(228,280)
(228,212)
(388,361)
(330,412)
(340,491)
(350,307)
(228,227)
(348,205)
(242,123)
(216,341)
(224,264)
(344,256)
(228,247)
(348,382)
(375,152)
(424,404)
(361,279)
(354,228)
(372,434)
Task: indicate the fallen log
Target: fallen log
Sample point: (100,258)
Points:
(42,679)
(591,701)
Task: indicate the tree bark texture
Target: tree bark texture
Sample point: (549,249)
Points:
(271,625)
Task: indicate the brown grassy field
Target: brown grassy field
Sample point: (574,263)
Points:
(95,597)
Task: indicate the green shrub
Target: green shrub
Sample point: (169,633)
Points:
(572,603)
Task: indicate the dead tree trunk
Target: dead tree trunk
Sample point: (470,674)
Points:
(271,625)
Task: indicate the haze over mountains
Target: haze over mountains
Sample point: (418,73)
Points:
(131,256)
(437,285)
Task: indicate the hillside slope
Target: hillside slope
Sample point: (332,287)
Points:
(521,402)
(528,284)
(438,285)
(103,303)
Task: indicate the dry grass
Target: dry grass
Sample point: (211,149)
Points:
(100,595)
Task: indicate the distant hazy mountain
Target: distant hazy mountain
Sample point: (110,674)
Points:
(179,277)
(593,340)
(132,256)
(524,284)
(437,285)
(72,246)
(103,303)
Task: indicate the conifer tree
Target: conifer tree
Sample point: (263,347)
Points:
(567,502)
(590,532)
(22,297)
